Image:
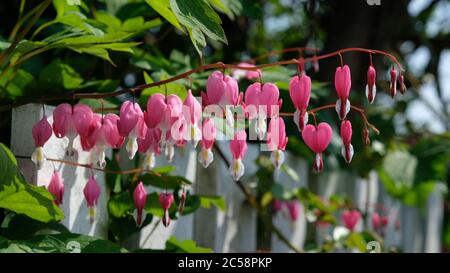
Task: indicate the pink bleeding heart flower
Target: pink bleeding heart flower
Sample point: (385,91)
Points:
(156,107)
(182,201)
(317,138)
(262,101)
(342,83)
(346,135)
(131,125)
(393,83)
(222,90)
(103,133)
(139,198)
(379,222)
(350,218)
(91,193)
(300,92)
(205,157)
(175,137)
(166,200)
(192,111)
(56,188)
(277,205)
(401,81)
(72,121)
(238,147)
(371,88)
(294,209)
(150,147)
(166,114)
(42,131)
(277,141)
(248,74)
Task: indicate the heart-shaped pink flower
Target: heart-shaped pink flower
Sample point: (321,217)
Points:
(317,138)
(300,92)
(350,218)
(261,98)
(343,84)
(221,89)
(72,121)
(131,125)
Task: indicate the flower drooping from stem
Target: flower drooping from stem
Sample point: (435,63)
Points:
(317,138)
(260,101)
(350,218)
(300,92)
(342,83)
(371,88)
(91,193)
(131,125)
(205,156)
(166,200)
(277,141)
(139,198)
(56,188)
(238,147)
(192,111)
(150,147)
(393,83)
(70,121)
(346,135)
(42,131)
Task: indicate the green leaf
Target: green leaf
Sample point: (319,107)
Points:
(164,181)
(120,204)
(113,23)
(62,243)
(22,227)
(198,14)
(197,39)
(18,83)
(164,169)
(186,246)
(17,195)
(60,75)
(163,8)
(207,200)
(356,240)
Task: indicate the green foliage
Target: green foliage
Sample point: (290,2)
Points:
(17,195)
(59,243)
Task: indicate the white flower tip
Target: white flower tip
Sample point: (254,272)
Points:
(348,155)
(339,107)
(38,157)
(205,157)
(149,161)
(169,151)
(237,169)
(277,158)
(140,221)
(132,147)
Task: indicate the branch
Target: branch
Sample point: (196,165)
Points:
(137,89)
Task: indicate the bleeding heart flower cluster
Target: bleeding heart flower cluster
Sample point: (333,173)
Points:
(168,122)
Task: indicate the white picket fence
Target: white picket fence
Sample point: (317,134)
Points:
(235,229)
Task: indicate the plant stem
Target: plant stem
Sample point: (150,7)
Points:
(5,54)
(219,65)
